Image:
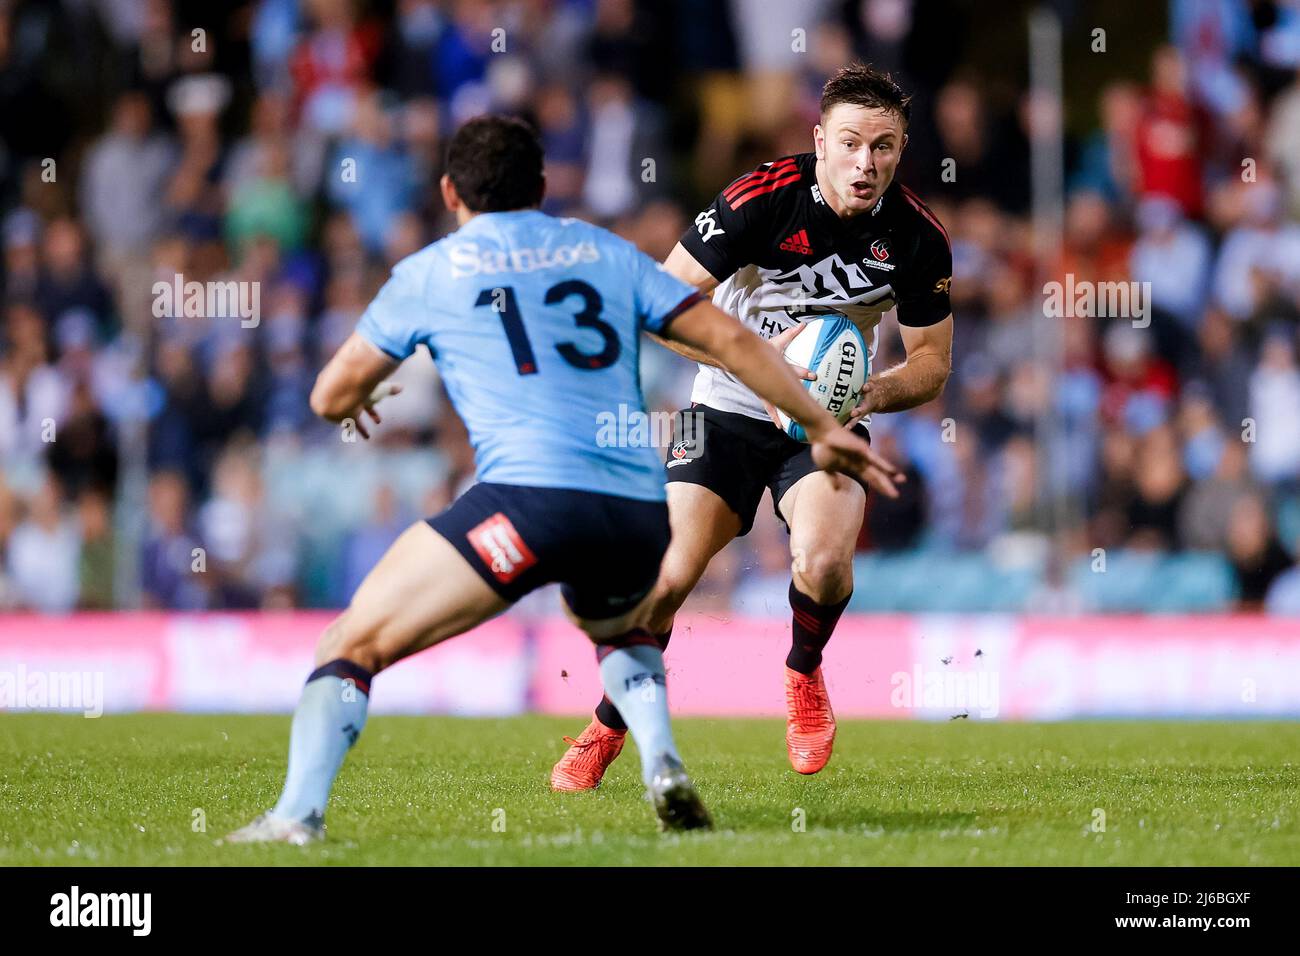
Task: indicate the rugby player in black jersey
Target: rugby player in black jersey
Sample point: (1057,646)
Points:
(806,235)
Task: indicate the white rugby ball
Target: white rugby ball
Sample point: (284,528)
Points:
(831,346)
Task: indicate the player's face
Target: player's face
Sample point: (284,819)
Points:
(859,148)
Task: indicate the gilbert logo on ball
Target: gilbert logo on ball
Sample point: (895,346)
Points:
(831,346)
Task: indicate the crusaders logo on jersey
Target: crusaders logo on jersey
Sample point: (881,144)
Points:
(880,249)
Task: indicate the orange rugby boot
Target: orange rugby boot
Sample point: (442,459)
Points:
(585,762)
(809,722)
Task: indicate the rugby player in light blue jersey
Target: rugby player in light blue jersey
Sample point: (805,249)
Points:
(535,325)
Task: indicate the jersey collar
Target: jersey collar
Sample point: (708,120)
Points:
(875,220)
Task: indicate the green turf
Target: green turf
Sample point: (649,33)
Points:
(125,790)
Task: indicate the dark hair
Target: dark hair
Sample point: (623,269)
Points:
(861,85)
(495,163)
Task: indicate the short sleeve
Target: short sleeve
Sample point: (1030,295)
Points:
(396,322)
(660,295)
(722,238)
(923,299)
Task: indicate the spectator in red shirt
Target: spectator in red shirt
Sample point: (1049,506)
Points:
(1170,136)
(331,64)
(1139,385)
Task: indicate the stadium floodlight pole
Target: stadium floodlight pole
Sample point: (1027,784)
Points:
(130,521)
(1047,183)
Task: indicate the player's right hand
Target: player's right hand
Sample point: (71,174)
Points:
(377,395)
(847,452)
(779,342)
(783,339)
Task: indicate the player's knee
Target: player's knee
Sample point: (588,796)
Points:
(825,576)
(671,590)
(597,630)
(343,640)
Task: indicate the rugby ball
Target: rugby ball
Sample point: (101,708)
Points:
(831,346)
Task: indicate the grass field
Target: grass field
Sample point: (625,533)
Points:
(424,791)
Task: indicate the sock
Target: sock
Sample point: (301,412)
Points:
(606,712)
(329,718)
(632,670)
(813,624)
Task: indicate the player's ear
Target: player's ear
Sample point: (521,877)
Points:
(819,141)
(450,198)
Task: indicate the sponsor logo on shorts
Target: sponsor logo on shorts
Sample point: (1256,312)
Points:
(689,432)
(686,451)
(501,548)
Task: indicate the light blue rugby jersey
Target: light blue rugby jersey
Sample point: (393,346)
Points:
(534,323)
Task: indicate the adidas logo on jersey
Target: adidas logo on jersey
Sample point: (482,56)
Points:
(798,243)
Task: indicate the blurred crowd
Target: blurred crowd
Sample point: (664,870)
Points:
(150,458)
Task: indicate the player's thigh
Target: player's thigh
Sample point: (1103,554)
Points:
(824,513)
(822,510)
(702,525)
(717,468)
(605,628)
(421,592)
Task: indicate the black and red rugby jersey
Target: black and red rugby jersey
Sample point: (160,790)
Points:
(780,253)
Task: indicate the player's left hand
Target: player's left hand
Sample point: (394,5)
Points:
(866,404)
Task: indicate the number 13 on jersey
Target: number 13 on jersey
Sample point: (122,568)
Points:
(502,300)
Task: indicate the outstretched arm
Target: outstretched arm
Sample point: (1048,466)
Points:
(762,369)
(682,264)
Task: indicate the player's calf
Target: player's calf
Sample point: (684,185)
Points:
(821,547)
(702,524)
(421,592)
(632,671)
(670,592)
